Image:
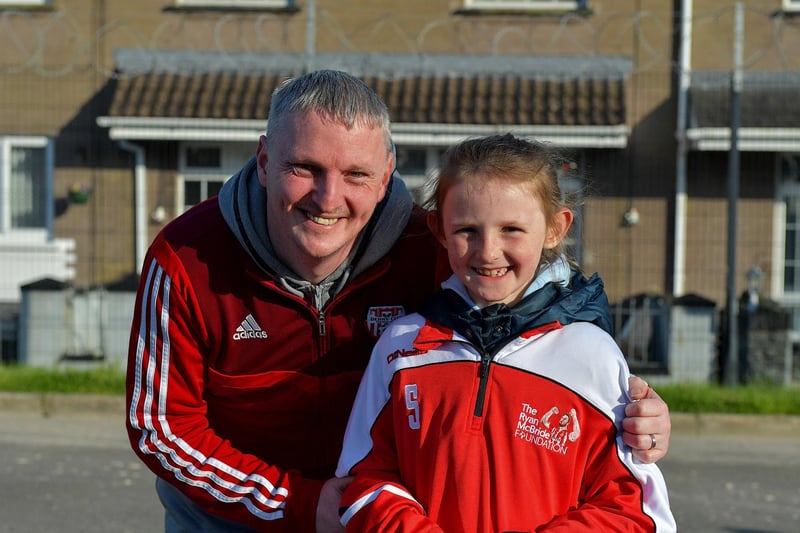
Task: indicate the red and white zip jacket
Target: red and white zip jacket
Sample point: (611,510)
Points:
(238,391)
(441,439)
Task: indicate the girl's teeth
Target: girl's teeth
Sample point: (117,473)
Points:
(492,273)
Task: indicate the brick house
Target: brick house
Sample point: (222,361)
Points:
(124,114)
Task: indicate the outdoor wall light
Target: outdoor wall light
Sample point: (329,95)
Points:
(630,217)
(158,215)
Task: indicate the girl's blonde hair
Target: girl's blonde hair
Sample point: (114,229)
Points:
(504,157)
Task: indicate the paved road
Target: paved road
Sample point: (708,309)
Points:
(70,474)
(73,472)
(736,484)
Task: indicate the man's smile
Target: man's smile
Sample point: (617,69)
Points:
(325,221)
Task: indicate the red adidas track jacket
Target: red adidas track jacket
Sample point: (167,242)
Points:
(238,391)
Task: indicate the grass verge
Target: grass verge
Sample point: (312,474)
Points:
(684,398)
(743,399)
(100,380)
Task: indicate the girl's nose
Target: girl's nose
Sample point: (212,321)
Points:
(488,247)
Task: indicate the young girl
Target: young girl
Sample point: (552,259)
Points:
(498,407)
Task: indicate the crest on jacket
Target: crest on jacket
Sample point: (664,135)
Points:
(380,317)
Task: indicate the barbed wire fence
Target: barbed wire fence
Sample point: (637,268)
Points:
(29,39)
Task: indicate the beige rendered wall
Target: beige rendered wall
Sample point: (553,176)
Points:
(55,62)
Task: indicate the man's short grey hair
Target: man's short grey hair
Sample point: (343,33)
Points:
(335,95)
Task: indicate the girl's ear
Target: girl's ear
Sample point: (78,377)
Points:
(434,226)
(558,230)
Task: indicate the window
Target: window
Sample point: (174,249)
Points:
(786,259)
(525,5)
(791,5)
(235,4)
(204,167)
(195,190)
(790,191)
(570,181)
(201,175)
(25,184)
(25,3)
(200,157)
(791,264)
(413,163)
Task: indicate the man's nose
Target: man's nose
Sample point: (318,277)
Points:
(327,189)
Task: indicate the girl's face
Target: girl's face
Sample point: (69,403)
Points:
(494,231)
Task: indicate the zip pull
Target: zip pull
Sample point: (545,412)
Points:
(483,375)
(485,360)
(321,323)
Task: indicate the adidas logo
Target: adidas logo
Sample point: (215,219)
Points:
(249,329)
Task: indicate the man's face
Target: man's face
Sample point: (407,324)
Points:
(323,182)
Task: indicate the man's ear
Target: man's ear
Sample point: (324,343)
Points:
(559,228)
(261,160)
(387,176)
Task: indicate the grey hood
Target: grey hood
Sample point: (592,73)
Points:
(243,200)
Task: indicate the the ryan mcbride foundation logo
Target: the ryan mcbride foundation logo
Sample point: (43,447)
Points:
(554,430)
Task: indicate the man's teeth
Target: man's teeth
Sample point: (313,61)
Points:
(322,220)
(493,273)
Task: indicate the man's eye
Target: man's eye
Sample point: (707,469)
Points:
(358,176)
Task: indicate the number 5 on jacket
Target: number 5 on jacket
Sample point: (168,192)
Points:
(412,404)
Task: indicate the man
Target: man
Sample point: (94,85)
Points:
(257,311)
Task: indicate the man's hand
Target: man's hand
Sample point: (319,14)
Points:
(328,505)
(647,425)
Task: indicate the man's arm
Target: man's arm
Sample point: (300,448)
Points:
(168,423)
(618,492)
(647,422)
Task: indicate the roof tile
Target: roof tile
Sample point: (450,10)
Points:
(441,99)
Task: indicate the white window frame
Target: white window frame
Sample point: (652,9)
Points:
(232,157)
(235,4)
(25,3)
(524,5)
(201,174)
(785,189)
(6,230)
(791,5)
(415,182)
(180,188)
